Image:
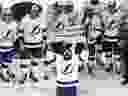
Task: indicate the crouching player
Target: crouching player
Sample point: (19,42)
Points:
(8,36)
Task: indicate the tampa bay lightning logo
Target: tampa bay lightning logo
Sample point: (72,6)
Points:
(68,69)
(7,56)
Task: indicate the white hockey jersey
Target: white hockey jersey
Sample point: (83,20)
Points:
(33,34)
(112,26)
(70,30)
(67,27)
(8,33)
(67,70)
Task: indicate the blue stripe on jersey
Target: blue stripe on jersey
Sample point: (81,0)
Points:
(68,82)
(68,91)
(7,55)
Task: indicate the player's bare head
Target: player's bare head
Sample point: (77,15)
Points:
(55,8)
(35,7)
(35,10)
(7,14)
(94,2)
(67,5)
(68,52)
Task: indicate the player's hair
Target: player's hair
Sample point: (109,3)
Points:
(94,2)
(40,9)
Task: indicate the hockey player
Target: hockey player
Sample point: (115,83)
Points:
(111,36)
(94,29)
(8,36)
(67,72)
(34,34)
(67,36)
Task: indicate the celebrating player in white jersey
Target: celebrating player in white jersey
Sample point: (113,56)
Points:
(67,34)
(67,72)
